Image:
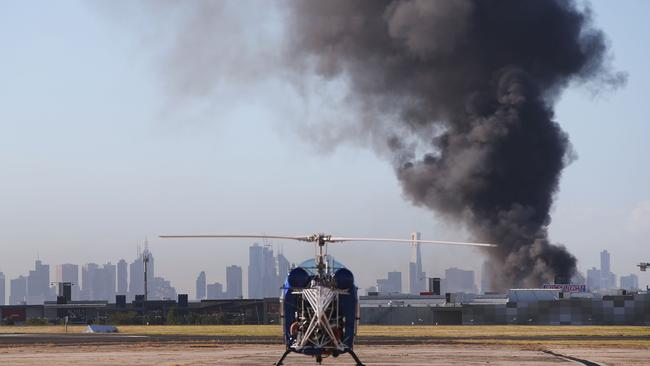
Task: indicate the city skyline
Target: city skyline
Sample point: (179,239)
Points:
(107,280)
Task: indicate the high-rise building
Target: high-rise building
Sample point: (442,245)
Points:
(90,281)
(122,277)
(390,285)
(593,279)
(395,279)
(459,280)
(608,279)
(136,278)
(38,284)
(630,283)
(18,293)
(158,288)
(234,282)
(262,274)
(603,278)
(417,278)
(215,291)
(604,261)
(2,288)
(200,286)
(109,283)
(68,273)
(136,274)
(283,269)
(271,285)
(161,289)
(98,283)
(255,272)
(486,278)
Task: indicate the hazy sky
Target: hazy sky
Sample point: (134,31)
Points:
(96,154)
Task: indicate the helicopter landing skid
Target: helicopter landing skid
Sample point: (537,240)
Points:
(351,352)
(356,358)
(283,357)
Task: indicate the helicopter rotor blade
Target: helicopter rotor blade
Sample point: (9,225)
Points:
(444,242)
(299,238)
(325,239)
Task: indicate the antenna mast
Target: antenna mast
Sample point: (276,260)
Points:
(145,261)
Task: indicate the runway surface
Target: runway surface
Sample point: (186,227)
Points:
(256,354)
(140,350)
(101,339)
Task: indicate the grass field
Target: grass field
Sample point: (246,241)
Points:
(497,332)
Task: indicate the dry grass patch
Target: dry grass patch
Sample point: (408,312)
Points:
(466,334)
(497,331)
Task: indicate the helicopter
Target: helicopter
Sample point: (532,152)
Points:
(319,301)
(643,266)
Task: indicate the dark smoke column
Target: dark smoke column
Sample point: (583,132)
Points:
(461,93)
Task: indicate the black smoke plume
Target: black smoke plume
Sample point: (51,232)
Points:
(462,94)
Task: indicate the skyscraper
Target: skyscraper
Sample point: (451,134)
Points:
(136,274)
(630,283)
(255,264)
(136,278)
(593,279)
(283,268)
(486,278)
(458,280)
(108,282)
(98,283)
(270,286)
(395,279)
(18,293)
(417,278)
(122,277)
(161,289)
(200,286)
(90,281)
(68,273)
(608,279)
(262,273)
(234,282)
(604,261)
(215,291)
(38,283)
(390,285)
(2,288)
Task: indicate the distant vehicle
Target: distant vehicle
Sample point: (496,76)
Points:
(643,266)
(320,305)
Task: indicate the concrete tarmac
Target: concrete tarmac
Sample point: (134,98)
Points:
(260,354)
(124,349)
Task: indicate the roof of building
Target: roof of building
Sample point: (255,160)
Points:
(532,294)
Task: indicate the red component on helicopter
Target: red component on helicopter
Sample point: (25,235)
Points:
(293,329)
(338,333)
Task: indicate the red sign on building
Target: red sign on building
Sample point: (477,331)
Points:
(566,287)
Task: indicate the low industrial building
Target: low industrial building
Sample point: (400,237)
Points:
(518,306)
(234,311)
